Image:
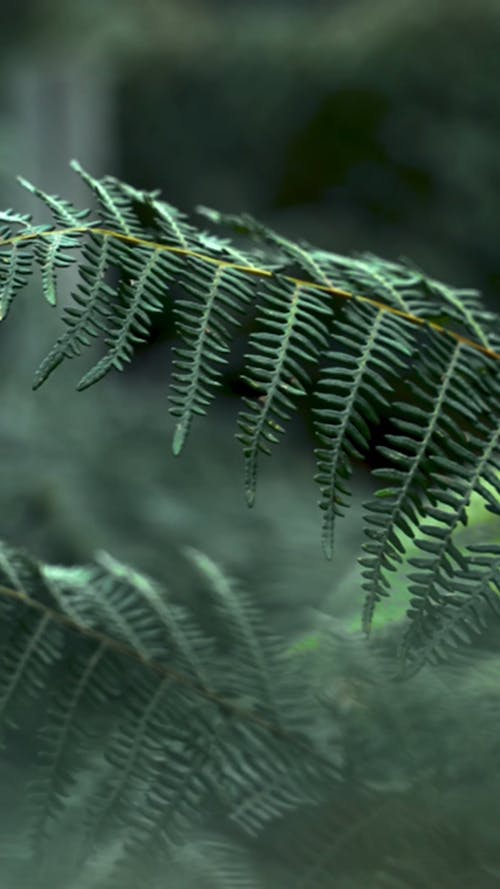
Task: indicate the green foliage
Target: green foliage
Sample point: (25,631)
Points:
(351,337)
(164,751)
(106,661)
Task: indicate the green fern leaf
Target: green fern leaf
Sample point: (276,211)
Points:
(255,680)
(50,251)
(352,391)
(429,429)
(221,294)
(88,319)
(15,270)
(129,320)
(293,331)
(432,586)
(469,600)
(34,644)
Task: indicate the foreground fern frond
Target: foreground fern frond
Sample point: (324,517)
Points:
(361,338)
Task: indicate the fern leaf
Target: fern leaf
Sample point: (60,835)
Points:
(50,251)
(129,320)
(114,205)
(427,428)
(469,598)
(394,282)
(293,331)
(122,690)
(432,585)
(9,218)
(221,294)
(351,393)
(65,739)
(92,299)
(258,656)
(33,643)
(287,250)
(173,632)
(64,213)
(458,304)
(145,212)
(16,260)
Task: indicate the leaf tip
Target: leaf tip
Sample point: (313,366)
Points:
(179,438)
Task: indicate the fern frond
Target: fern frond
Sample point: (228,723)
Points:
(466,599)
(292,333)
(434,582)
(352,391)
(286,251)
(87,319)
(64,212)
(142,212)
(346,335)
(461,305)
(138,298)
(221,294)
(257,654)
(32,645)
(16,261)
(429,427)
(114,202)
(172,631)
(400,285)
(50,252)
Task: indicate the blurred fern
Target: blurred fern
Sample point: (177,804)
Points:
(156,754)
